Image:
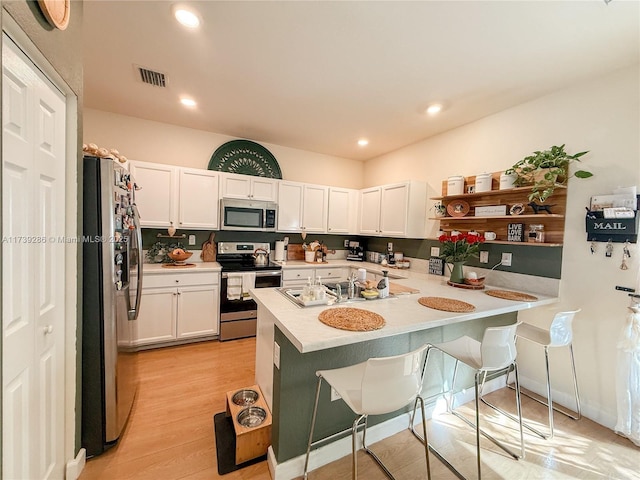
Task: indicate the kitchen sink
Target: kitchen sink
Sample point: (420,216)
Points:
(294,294)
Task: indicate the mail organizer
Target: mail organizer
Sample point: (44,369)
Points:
(619,230)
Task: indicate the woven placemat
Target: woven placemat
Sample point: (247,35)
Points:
(509,295)
(446,304)
(354,319)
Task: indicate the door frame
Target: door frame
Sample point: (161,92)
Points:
(71,262)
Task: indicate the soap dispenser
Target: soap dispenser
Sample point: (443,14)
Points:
(383,284)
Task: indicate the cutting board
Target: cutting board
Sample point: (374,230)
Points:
(395,288)
(295,251)
(209,249)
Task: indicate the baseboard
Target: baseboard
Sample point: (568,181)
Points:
(595,413)
(75,466)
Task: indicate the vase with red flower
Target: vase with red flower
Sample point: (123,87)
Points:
(457,249)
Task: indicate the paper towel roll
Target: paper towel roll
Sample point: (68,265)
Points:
(279,251)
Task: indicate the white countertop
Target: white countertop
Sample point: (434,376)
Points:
(157,268)
(402,313)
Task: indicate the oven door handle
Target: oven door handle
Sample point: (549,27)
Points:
(274,273)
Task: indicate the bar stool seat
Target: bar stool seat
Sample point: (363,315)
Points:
(559,334)
(495,353)
(375,387)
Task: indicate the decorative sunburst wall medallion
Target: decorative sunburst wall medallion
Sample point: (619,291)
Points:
(245,157)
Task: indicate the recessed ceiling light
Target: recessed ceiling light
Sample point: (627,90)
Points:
(187,17)
(188,102)
(363,142)
(434,109)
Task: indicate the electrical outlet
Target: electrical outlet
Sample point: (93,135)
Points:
(276,355)
(435,251)
(506,259)
(484,256)
(390,246)
(334,395)
(346,243)
(192,239)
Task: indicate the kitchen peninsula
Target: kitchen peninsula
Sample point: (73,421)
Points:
(292,344)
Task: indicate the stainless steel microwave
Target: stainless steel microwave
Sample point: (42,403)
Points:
(248,215)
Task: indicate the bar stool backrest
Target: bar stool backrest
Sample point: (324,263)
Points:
(391,383)
(560,331)
(498,348)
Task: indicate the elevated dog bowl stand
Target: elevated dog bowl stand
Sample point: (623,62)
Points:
(251,442)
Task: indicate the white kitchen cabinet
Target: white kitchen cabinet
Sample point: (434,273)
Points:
(158,195)
(299,277)
(176,307)
(195,311)
(176,197)
(342,214)
(302,207)
(198,199)
(395,210)
(370,211)
(249,187)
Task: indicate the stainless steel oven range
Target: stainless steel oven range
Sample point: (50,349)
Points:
(244,265)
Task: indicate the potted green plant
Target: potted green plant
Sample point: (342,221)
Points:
(546,169)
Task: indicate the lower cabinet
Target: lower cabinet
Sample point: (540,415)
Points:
(298,277)
(177,307)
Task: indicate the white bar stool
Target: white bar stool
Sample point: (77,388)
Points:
(496,352)
(375,387)
(559,334)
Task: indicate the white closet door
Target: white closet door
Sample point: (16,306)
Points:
(33,315)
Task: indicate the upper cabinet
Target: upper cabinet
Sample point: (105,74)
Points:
(302,207)
(249,187)
(343,211)
(157,197)
(176,197)
(396,210)
(199,199)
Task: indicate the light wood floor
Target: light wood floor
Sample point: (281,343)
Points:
(170,434)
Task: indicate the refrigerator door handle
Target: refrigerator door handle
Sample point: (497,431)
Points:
(133,313)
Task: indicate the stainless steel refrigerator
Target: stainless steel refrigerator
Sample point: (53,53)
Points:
(112,284)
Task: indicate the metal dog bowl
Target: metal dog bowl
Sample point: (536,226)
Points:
(251,416)
(244,398)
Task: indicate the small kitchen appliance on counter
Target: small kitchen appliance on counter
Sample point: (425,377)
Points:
(356,252)
(245,265)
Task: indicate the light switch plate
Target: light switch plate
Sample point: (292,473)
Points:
(276,355)
(435,251)
(484,256)
(192,239)
(506,259)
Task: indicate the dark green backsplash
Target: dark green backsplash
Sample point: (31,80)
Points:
(541,261)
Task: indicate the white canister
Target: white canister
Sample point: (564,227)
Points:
(483,182)
(309,256)
(506,181)
(455,185)
(362,275)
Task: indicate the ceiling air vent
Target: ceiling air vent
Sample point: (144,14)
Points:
(152,77)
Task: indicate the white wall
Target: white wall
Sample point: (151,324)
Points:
(602,116)
(148,141)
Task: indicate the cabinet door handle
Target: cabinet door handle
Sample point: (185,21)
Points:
(48,329)
(177,281)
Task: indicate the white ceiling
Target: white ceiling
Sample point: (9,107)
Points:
(318,75)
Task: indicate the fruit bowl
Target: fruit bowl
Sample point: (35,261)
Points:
(179,256)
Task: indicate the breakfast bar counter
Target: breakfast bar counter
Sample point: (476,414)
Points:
(292,344)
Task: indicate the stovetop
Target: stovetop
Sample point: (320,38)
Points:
(239,257)
(235,265)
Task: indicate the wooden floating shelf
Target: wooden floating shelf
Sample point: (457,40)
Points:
(528,244)
(489,193)
(501,217)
